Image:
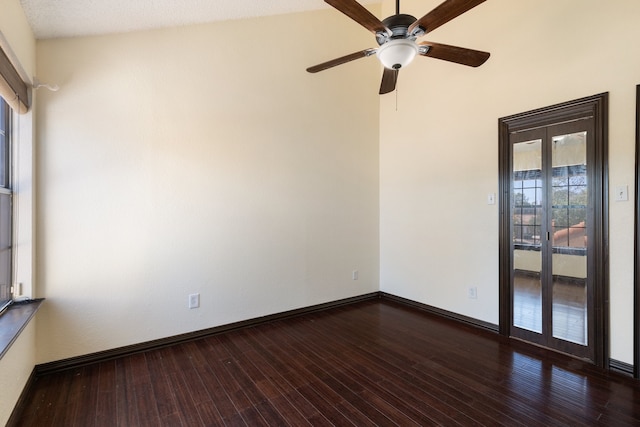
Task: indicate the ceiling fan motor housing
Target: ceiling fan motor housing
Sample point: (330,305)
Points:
(398,25)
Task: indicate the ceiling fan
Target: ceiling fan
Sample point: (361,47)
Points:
(397,35)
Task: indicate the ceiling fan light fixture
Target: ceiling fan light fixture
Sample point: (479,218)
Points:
(397,53)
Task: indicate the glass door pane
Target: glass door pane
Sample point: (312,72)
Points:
(569,237)
(527,196)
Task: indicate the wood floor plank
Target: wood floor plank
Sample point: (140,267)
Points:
(126,409)
(433,410)
(275,369)
(421,374)
(355,375)
(224,404)
(268,388)
(140,387)
(209,414)
(195,386)
(146,407)
(400,361)
(88,397)
(39,407)
(252,417)
(290,382)
(56,401)
(289,412)
(106,405)
(172,420)
(434,415)
(374,362)
(105,408)
(186,406)
(225,369)
(351,391)
(250,379)
(337,415)
(162,392)
(359,410)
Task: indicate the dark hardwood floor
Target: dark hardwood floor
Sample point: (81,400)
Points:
(375,362)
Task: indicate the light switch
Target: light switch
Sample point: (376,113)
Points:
(491,198)
(622,193)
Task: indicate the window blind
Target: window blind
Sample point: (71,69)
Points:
(12,88)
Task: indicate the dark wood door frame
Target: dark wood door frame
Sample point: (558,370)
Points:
(636,267)
(597,107)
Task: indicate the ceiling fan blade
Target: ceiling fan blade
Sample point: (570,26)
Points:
(342,60)
(444,13)
(389,80)
(459,55)
(358,13)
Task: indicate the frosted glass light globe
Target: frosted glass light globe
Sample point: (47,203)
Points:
(398,53)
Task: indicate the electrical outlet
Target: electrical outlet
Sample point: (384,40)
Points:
(194,300)
(472,293)
(355,274)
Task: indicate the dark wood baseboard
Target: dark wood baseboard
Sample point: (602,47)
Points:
(442,313)
(101,356)
(75,362)
(621,367)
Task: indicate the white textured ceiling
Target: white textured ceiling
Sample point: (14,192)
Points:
(69,18)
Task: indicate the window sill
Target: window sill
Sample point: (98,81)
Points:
(13,321)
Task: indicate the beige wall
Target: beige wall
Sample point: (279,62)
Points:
(439,150)
(202,159)
(16,367)
(16,35)
(17,364)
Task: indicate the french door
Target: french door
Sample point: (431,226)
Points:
(552,246)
